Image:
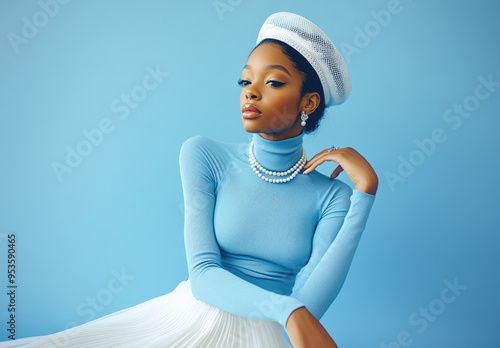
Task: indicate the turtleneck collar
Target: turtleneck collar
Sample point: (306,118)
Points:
(277,155)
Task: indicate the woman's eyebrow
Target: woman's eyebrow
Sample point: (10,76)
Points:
(271,67)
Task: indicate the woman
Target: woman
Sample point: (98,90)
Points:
(269,240)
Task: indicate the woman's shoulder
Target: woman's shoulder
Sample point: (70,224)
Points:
(204,142)
(324,182)
(333,193)
(340,197)
(198,141)
(211,149)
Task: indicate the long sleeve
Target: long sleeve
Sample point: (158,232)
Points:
(334,244)
(210,282)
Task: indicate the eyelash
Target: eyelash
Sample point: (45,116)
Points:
(246,82)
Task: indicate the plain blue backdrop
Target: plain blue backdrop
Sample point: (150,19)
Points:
(98,96)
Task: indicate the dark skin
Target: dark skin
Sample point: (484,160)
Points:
(272,84)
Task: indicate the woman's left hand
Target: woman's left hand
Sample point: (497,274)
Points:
(356,167)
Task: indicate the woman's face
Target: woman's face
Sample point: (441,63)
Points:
(271,85)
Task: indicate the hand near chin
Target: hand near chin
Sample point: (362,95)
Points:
(305,331)
(349,160)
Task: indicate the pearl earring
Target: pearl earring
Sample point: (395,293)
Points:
(303,117)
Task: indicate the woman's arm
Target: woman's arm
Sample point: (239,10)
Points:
(200,171)
(305,331)
(334,245)
(335,241)
(319,282)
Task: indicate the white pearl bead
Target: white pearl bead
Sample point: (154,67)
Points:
(257,168)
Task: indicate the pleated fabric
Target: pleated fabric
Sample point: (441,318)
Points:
(175,319)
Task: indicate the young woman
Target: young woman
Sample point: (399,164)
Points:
(269,240)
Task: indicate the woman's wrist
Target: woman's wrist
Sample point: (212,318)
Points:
(369,187)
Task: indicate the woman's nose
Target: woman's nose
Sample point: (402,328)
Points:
(252,93)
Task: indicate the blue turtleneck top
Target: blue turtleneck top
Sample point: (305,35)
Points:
(259,249)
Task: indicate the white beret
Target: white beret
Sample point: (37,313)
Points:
(310,41)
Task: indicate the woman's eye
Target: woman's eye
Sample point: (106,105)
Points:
(274,83)
(243,82)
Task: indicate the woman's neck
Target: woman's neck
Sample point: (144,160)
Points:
(277,155)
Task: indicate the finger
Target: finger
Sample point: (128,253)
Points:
(311,160)
(321,157)
(316,163)
(336,172)
(315,157)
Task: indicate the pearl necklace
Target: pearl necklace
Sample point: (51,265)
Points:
(257,168)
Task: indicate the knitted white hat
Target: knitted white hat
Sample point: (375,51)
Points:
(310,41)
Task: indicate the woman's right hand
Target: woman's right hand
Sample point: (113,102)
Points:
(305,331)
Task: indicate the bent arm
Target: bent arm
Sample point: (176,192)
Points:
(335,241)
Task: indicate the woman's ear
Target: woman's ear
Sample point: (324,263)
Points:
(311,102)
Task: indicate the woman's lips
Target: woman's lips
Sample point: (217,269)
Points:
(250,111)
(250,114)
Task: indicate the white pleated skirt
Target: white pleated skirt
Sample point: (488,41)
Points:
(175,319)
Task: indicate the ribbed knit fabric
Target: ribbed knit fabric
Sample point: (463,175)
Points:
(260,249)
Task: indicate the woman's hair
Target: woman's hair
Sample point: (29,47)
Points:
(310,81)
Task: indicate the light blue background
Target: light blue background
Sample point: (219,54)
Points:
(120,209)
